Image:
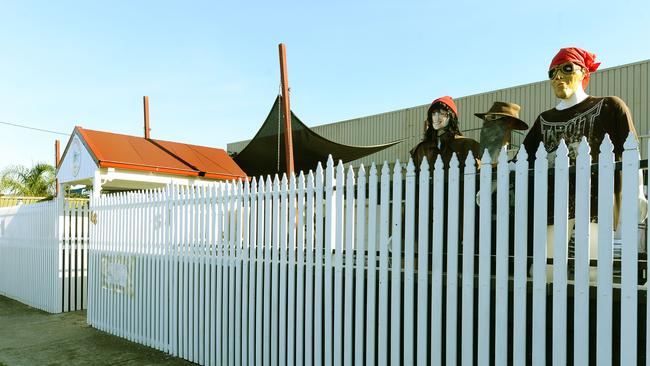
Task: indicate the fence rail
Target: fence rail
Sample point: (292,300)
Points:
(43,255)
(326,268)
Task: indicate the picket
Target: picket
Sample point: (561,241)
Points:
(409,265)
(539,257)
(360,252)
(629,250)
(484,265)
(396,268)
(371,281)
(501,283)
(521,262)
(560,250)
(423,262)
(436,263)
(452,262)
(581,286)
(383,321)
(469,215)
(348,308)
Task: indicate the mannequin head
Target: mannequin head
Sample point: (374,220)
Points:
(442,116)
(566,79)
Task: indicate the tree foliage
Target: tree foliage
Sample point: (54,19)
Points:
(37,181)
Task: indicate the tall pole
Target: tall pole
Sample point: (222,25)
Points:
(147,130)
(286,109)
(57,161)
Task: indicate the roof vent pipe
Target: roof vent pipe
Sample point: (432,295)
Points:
(147,130)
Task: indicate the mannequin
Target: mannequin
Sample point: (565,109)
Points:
(442,136)
(578,114)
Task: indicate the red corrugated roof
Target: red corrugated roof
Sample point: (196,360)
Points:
(114,150)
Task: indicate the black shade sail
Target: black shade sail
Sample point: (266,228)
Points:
(265,153)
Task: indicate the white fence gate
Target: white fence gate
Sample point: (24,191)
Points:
(338,268)
(43,255)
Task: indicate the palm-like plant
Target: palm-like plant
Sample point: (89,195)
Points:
(38,181)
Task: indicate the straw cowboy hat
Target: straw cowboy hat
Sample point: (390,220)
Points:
(510,110)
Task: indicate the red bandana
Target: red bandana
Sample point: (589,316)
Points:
(446,100)
(579,57)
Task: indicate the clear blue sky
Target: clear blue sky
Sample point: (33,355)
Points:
(211,69)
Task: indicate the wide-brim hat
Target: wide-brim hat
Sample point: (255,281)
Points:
(506,109)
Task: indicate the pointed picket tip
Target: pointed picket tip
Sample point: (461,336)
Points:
(350,176)
(541,152)
(630,142)
(362,171)
(340,166)
(522,154)
(276,182)
(253,187)
(502,160)
(486,159)
(350,170)
(373,169)
(438,164)
(310,179)
(292,182)
(469,159)
(384,169)
(584,148)
(319,167)
(562,149)
(410,167)
(330,161)
(424,165)
(606,146)
(397,169)
(453,162)
(301,178)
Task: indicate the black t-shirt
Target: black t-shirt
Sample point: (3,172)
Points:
(593,118)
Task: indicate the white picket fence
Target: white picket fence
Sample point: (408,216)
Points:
(328,269)
(43,255)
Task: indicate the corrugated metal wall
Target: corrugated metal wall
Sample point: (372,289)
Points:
(630,82)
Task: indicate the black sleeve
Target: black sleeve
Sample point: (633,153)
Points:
(531,141)
(623,125)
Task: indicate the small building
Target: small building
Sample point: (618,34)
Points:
(114,162)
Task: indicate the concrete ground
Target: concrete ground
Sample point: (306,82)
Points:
(33,337)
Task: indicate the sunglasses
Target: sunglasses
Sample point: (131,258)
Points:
(566,69)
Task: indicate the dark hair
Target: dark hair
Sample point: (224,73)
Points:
(452,126)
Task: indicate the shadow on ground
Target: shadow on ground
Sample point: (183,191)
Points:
(32,337)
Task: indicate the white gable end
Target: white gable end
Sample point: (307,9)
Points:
(77,163)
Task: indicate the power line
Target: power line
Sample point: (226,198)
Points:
(34,128)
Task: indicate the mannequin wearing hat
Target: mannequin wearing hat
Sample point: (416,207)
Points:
(576,115)
(442,136)
(498,123)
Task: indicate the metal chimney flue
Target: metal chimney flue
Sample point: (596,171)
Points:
(147,130)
